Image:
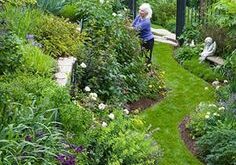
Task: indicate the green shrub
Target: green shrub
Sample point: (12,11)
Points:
(204,119)
(22,23)
(202,70)
(35,62)
(24,89)
(19,2)
(58,36)
(75,119)
(120,143)
(120,73)
(69,11)
(10,54)
(219,147)
(187,53)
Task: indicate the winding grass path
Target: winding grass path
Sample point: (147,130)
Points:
(186,92)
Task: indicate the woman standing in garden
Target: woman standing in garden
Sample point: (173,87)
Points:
(142,24)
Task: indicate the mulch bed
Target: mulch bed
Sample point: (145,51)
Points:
(143,103)
(189,142)
(185,135)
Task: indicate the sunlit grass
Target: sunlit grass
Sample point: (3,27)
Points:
(186,91)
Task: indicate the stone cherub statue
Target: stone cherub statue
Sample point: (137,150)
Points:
(209,49)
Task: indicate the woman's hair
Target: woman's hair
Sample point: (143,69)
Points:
(147,8)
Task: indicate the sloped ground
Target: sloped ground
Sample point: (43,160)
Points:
(186,91)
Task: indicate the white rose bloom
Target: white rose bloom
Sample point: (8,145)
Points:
(93,96)
(207,116)
(222,108)
(192,44)
(104,124)
(101,1)
(101,106)
(87,89)
(126,111)
(111,116)
(114,14)
(217,87)
(215,83)
(212,105)
(83,65)
(225,81)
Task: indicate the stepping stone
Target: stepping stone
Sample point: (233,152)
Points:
(65,68)
(163,32)
(164,40)
(217,60)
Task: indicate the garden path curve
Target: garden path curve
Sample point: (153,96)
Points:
(186,91)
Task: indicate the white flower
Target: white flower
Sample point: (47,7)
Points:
(101,1)
(101,106)
(111,116)
(78,29)
(83,65)
(93,96)
(207,116)
(104,124)
(126,111)
(114,14)
(225,81)
(212,105)
(87,89)
(216,114)
(217,87)
(192,44)
(221,108)
(215,83)
(206,88)
(208,113)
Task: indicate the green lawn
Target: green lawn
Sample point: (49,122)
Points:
(186,91)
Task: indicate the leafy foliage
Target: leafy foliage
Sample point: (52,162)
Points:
(219,146)
(187,53)
(202,70)
(36,62)
(10,54)
(58,36)
(22,23)
(18,2)
(53,6)
(120,70)
(120,143)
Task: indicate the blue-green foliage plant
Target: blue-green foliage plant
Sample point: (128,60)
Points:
(53,6)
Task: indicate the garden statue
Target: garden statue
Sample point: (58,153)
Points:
(209,49)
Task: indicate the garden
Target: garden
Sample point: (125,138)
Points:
(101,116)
